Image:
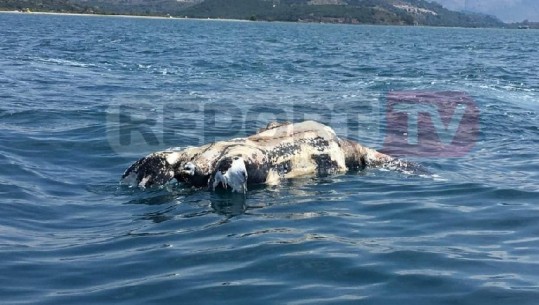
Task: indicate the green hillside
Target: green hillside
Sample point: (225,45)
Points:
(395,12)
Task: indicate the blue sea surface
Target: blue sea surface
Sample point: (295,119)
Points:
(81,98)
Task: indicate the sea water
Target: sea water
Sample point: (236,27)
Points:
(81,98)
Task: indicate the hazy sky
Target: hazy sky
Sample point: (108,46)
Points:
(506,10)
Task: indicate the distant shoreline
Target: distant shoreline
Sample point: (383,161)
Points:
(508,26)
(120,15)
(89,15)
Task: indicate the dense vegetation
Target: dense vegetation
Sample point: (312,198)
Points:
(47,6)
(399,12)
(351,11)
(294,11)
(107,7)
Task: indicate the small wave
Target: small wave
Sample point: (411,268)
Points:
(62,62)
(407,168)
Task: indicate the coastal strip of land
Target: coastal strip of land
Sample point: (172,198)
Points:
(382,12)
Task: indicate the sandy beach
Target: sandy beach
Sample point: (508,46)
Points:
(122,16)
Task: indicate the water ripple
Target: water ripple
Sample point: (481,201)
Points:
(464,232)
